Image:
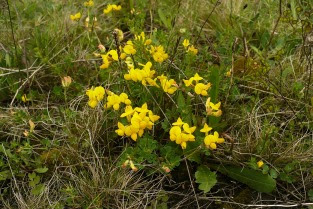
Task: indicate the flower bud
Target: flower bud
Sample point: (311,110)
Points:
(66,81)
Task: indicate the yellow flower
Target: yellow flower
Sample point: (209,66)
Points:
(196,77)
(144,75)
(142,39)
(95,96)
(113,55)
(153,117)
(168,86)
(24,98)
(228,73)
(206,129)
(148,42)
(106,62)
(128,111)
(188,82)
(76,16)
(188,129)
(158,53)
(121,129)
(113,100)
(192,50)
(202,89)
(179,122)
(182,136)
(186,43)
(88,3)
(108,9)
(211,140)
(92,103)
(260,164)
(213,109)
(124,99)
(112,7)
(116,7)
(129,48)
(139,121)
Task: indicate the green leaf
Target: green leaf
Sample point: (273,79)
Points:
(273,173)
(206,178)
(171,154)
(310,194)
(166,21)
(41,170)
(38,189)
(5,175)
(254,179)
(293,9)
(181,100)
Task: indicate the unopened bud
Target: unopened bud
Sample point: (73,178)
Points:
(102,48)
(125,164)
(132,166)
(66,81)
(166,169)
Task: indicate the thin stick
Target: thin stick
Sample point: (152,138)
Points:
(207,19)
(276,24)
(12,29)
(193,188)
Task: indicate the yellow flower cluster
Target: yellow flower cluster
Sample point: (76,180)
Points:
(139,119)
(76,16)
(95,95)
(181,133)
(142,39)
(213,109)
(190,48)
(108,58)
(112,7)
(200,88)
(168,85)
(89,3)
(114,100)
(144,75)
(158,53)
(210,140)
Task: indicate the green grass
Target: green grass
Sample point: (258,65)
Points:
(74,158)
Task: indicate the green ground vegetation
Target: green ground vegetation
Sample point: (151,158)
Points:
(156,104)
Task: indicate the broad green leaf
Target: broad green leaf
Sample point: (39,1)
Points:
(254,179)
(41,170)
(166,21)
(206,178)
